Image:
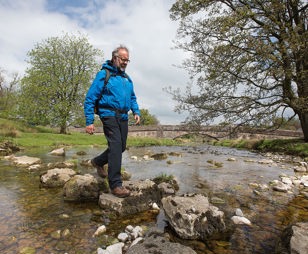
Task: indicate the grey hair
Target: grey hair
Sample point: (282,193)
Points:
(116,50)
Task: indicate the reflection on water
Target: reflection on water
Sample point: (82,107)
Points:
(38,220)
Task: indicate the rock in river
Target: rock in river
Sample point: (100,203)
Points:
(193,217)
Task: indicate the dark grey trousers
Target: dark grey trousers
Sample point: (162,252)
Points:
(115,131)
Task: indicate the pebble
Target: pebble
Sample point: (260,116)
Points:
(101,230)
(263,187)
(286,180)
(256,192)
(304,164)
(112,249)
(216,200)
(129,229)
(137,240)
(281,187)
(238,212)
(240,220)
(155,206)
(64,216)
(231,159)
(137,231)
(300,169)
(265,161)
(123,237)
(131,233)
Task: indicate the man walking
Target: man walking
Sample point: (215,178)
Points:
(112,93)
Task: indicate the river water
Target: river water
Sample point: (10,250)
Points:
(37,220)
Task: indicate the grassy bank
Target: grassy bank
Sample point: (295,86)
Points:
(32,136)
(296,147)
(25,135)
(80,139)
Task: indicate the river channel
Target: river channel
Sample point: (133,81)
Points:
(31,217)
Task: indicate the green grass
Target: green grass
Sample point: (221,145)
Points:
(296,147)
(146,141)
(167,179)
(81,139)
(7,126)
(288,146)
(25,135)
(163,178)
(56,140)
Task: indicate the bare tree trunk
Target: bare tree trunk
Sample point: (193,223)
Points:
(304,123)
(63,129)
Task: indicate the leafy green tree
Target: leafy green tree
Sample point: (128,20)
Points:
(8,94)
(248,61)
(145,119)
(55,84)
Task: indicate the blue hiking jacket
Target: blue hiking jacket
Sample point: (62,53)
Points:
(118,94)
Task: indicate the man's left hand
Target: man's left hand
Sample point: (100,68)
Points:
(90,129)
(137,119)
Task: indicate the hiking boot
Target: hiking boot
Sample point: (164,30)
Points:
(120,192)
(101,171)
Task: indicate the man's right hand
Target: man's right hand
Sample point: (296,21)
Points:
(90,129)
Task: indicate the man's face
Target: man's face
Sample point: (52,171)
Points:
(122,59)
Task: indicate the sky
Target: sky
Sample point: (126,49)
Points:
(144,26)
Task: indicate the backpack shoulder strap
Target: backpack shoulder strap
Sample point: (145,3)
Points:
(105,82)
(107,76)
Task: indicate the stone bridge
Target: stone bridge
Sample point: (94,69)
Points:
(173,131)
(215,132)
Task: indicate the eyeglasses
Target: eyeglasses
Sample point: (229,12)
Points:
(123,59)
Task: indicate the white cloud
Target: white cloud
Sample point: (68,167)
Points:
(23,25)
(144,26)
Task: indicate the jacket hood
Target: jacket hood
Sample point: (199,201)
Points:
(108,65)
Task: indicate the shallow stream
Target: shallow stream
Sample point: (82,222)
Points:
(37,220)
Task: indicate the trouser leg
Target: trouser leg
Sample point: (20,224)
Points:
(115,131)
(124,132)
(102,159)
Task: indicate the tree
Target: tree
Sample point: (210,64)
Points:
(8,91)
(248,60)
(145,119)
(54,86)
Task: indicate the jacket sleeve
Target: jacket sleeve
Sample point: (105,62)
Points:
(133,103)
(92,96)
